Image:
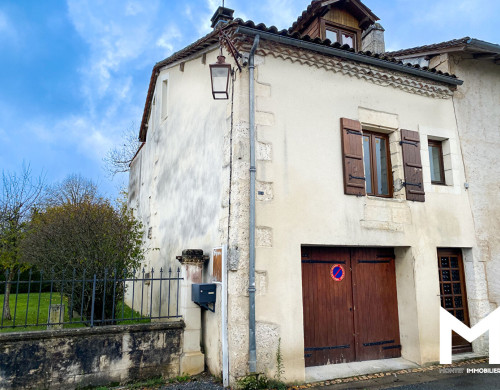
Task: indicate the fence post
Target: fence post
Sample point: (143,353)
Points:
(56,316)
(192,361)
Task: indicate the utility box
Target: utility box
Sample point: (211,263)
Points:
(204,294)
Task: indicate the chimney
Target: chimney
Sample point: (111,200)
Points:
(373,39)
(222,15)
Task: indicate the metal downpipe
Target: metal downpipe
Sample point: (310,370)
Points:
(252,359)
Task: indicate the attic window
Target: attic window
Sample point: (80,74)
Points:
(338,34)
(343,37)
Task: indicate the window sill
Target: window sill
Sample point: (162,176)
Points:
(393,200)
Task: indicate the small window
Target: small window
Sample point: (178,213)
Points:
(336,33)
(377,164)
(341,36)
(332,35)
(164,99)
(436,160)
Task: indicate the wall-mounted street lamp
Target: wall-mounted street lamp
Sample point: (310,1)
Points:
(220,73)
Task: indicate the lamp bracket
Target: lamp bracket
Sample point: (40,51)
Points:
(224,38)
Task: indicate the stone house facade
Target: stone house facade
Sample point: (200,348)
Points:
(359,238)
(476,107)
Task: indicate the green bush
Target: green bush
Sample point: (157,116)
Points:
(92,239)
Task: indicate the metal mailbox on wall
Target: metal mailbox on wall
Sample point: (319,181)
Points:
(204,294)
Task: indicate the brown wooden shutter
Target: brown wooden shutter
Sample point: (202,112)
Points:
(352,156)
(414,181)
(217,265)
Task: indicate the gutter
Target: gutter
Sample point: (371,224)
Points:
(484,45)
(332,51)
(252,350)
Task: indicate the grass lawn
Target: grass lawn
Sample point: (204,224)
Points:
(36,314)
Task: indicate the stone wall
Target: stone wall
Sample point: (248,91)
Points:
(71,358)
(301,201)
(476,108)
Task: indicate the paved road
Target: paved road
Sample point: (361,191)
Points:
(430,380)
(433,379)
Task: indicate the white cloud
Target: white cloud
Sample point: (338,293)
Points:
(168,38)
(188,12)
(116,36)
(133,8)
(4,24)
(282,13)
(78,132)
(120,39)
(7,29)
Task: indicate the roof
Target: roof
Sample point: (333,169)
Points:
(462,44)
(294,39)
(318,6)
(202,43)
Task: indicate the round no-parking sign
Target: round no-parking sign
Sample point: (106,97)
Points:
(337,272)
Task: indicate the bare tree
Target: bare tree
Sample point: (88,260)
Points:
(19,196)
(119,158)
(75,189)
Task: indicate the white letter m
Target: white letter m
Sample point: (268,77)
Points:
(448,323)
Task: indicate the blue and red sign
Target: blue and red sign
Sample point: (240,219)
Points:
(337,272)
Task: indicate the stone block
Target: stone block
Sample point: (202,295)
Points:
(376,225)
(264,118)
(378,118)
(191,342)
(192,363)
(264,151)
(261,282)
(262,89)
(264,191)
(377,213)
(401,215)
(263,236)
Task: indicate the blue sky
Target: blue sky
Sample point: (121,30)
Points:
(74,74)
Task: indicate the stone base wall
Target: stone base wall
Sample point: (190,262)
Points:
(71,358)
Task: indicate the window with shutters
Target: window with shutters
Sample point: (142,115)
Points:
(367,162)
(377,164)
(436,162)
(412,162)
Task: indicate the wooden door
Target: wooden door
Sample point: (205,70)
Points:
(376,320)
(328,319)
(352,319)
(453,292)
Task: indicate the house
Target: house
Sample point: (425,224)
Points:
(476,105)
(362,214)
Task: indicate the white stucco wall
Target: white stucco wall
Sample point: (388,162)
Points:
(178,183)
(300,172)
(179,186)
(477,105)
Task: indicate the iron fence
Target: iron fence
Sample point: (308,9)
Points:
(89,299)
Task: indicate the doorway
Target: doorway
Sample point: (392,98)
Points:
(453,293)
(349,305)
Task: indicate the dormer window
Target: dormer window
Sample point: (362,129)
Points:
(341,21)
(339,34)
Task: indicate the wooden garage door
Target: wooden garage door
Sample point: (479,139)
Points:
(351,319)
